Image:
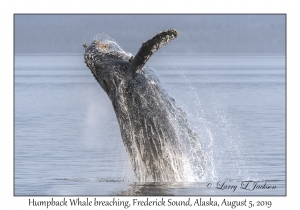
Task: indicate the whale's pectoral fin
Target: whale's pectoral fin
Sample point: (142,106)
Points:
(149,48)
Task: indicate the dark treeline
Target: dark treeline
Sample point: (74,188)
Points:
(197,33)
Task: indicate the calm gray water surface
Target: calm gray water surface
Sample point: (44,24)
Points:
(67,139)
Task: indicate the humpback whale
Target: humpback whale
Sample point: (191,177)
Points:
(155,131)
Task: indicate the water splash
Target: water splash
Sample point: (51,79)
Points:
(220,137)
(158,139)
(176,149)
(161,144)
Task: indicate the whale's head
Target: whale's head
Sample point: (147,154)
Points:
(108,63)
(114,68)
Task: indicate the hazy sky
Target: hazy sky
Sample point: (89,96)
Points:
(197,33)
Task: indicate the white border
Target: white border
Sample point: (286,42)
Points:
(8,201)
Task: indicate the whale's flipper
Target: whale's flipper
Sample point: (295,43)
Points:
(149,48)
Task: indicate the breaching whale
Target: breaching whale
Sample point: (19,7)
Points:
(160,143)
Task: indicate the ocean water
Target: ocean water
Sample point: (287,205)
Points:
(67,140)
